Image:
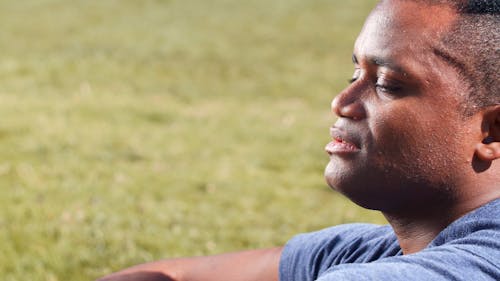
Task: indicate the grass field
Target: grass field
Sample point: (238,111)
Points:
(137,130)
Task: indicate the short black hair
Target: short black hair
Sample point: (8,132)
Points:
(480,6)
(475,40)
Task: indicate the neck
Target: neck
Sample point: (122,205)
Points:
(414,233)
(416,229)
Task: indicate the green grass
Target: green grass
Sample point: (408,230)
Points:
(137,130)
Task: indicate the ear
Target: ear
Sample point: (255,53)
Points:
(489,148)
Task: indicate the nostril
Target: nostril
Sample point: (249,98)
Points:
(354,111)
(348,104)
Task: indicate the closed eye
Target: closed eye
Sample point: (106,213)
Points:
(386,85)
(355,76)
(388,88)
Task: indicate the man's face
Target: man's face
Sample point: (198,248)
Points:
(401,140)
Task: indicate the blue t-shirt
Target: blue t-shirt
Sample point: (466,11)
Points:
(468,249)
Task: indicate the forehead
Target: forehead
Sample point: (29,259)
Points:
(404,28)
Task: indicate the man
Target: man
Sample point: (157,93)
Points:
(418,138)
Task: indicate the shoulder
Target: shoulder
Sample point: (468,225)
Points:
(468,247)
(475,236)
(476,227)
(306,256)
(349,239)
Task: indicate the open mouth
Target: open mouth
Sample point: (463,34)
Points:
(340,146)
(338,139)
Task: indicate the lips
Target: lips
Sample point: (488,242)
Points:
(342,143)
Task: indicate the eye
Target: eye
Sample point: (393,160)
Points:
(387,86)
(355,76)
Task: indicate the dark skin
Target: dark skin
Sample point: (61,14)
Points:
(400,145)
(417,150)
(241,266)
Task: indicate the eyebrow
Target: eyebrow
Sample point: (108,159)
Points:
(386,63)
(379,61)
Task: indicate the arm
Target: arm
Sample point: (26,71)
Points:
(254,265)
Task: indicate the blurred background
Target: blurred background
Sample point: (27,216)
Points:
(137,130)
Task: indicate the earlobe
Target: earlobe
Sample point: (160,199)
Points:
(489,149)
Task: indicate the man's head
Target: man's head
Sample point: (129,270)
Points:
(423,98)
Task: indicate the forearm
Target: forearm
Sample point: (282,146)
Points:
(255,265)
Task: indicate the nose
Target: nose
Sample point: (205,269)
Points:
(348,104)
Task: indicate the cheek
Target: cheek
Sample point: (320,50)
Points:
(396,131)
(411,144)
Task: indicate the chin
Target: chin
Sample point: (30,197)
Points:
(357,197)
(345,183)
(374,193)
(361,188)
